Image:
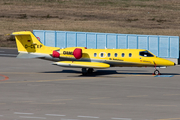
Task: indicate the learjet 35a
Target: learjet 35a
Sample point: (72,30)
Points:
(88,59)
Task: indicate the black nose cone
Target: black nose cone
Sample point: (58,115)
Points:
(174,63)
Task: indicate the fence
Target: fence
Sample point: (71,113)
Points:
(161,46)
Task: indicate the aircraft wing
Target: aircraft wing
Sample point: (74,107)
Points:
(78,64)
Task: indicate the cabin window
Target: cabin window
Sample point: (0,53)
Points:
(95,54)
(102,54)
(109,54)
(145,54)
(122,55)
(115,54)
(130,54)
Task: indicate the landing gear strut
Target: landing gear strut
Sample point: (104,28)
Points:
(156,72)
(86,72)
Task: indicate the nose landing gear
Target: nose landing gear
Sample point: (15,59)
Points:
(156,72)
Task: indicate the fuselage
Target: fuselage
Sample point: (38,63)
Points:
(117,57)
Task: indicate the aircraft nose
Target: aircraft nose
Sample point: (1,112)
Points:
(174,64)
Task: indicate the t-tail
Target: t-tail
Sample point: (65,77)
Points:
(30,47)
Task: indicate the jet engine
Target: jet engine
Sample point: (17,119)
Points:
(55,54)
(77,53)
(68,52)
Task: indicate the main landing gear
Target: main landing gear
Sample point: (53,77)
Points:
(86,71)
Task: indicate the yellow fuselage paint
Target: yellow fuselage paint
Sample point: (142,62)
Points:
(117,57)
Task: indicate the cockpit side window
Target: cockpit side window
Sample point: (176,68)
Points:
(146,54)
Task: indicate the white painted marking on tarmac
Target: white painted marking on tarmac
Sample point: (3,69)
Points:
(58,115)
(99,98)
(121,118)
(138,96)
(87,116)
(61,99)
(2,103)
(20,113)
(1,115)
(8,55)
(2,51)
(69,119)
(171,94)
(106,104)
(32,117)
(156,105)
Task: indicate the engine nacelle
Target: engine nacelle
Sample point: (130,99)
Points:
(77,53)
(55,54)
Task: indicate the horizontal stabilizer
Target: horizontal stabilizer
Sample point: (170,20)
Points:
(78,64)
(30,55)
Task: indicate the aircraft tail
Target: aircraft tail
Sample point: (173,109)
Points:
(28,43)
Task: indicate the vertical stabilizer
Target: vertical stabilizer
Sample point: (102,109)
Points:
(28,43)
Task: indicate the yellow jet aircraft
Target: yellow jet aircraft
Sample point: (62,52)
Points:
(87,59)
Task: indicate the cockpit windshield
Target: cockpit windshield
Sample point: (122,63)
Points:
(146,54)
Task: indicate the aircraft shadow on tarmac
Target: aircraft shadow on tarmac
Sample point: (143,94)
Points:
(110,72)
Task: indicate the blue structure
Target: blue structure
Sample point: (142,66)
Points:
(161,46)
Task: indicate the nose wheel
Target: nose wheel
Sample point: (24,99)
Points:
(156,72)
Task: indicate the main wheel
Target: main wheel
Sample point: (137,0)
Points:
(84,71)
(156,72)
(90,70)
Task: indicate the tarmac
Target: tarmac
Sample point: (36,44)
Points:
(33,89)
